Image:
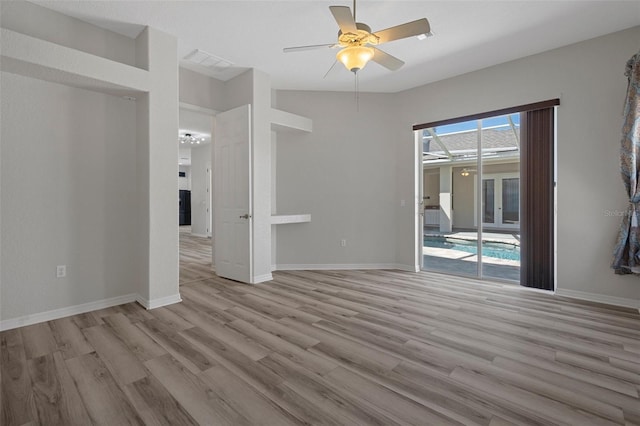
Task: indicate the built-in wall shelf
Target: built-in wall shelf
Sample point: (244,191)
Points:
(44,60)
(286,121)
(290,218)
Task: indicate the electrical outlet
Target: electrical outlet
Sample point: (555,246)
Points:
(61,271)
(343,243)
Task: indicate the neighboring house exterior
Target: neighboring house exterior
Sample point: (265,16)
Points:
(450,176)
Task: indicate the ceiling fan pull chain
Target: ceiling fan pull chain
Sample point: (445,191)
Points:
(357,91)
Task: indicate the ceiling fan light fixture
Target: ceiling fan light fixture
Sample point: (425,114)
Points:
(355,58)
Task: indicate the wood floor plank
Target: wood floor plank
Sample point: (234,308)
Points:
(155,404)
(174,343)
(135,312)
(329,347)
(87,319)
(196,294)
(243,398)
(337,347)
(69,338)
(329,399)
(273,327)
(121,362)
(598,366)
(105,402)
(240,342)
(583,375)
(17,405)
(529,402)
(138,342)
(296,354)
(435,389)
(171,319)
(399,407)
(193,394)
(551,375)
(38,340)
(555,391)
(200,309)
(57,398)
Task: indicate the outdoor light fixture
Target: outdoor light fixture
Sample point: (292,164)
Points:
(190,139)
(464,172)
(355,58)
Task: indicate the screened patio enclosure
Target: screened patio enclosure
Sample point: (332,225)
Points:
(471,197)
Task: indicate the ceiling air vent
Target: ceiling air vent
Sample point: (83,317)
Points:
(204,59)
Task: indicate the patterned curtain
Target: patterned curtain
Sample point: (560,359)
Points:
(626,255)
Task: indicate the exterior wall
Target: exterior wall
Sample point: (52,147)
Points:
(431,186)
(588,77)
(464,194)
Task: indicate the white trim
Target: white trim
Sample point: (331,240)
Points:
(200,235)
(346,266)
(197,108)
(65,312)
(599,298)
(157,303)
(262,278)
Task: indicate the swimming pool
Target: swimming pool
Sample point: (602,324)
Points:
(489,249)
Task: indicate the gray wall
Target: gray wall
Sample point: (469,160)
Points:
(589,79)
(95,186)
(343,174)
(68,196)
(355,168)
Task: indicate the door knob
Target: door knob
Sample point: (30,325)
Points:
(245,216)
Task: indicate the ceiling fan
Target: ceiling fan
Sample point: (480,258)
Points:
(357,42)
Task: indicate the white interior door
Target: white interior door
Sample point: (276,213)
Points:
(232,194)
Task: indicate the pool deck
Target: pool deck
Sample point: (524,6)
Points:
(487,237)
(463,263)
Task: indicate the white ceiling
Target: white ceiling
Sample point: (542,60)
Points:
(469,35)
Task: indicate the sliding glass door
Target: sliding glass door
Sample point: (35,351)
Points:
(472,198)
(489,194)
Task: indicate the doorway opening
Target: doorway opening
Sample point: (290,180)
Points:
(194,198)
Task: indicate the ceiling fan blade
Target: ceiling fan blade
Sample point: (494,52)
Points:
(388,61)
(414,28)
(311,47)
(344,18)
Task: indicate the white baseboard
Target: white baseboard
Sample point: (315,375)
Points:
(262,278)
(599,298)
(65,312)
(200,235)
(344,266)
(159,302)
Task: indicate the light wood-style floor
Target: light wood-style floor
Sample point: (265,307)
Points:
(337,348)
